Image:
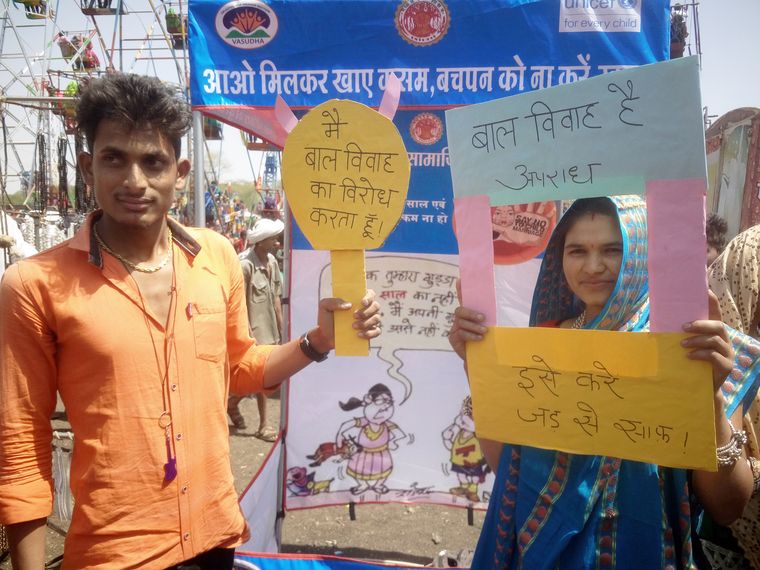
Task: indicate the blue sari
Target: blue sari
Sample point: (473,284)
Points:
(552,509)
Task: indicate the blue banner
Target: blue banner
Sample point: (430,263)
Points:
(250,561)
(445,52)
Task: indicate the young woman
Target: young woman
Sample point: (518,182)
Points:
(553,509)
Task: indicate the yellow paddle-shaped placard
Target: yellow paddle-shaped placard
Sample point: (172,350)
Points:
(345,172)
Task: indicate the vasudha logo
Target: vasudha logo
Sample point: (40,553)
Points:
(246,24)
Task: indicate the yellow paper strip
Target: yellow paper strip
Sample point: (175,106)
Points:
(349,283)
(629,395)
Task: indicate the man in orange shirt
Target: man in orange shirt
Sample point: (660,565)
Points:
(140,324)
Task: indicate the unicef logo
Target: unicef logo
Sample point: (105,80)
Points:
(628,3)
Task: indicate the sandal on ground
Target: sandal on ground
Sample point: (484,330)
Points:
(238,421)
(266,434)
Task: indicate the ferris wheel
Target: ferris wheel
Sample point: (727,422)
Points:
(50,49)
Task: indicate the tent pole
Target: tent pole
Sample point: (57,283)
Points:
(198,178)
(285,389)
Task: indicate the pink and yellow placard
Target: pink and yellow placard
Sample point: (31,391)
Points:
(599,137)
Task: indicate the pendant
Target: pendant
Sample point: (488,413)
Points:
(170,470)
(170,467)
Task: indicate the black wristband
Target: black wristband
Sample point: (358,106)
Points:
(309,350)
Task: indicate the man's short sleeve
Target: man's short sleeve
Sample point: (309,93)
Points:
(274,267)
(247,359)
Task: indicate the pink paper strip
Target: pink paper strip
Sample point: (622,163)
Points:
(284,115)
(391,97)
(472,220)
(677,253)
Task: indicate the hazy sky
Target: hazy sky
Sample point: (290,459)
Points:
(730,54)
(730,65)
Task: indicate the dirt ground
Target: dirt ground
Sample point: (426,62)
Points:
(407,533)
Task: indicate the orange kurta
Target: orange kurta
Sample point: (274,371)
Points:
(72,321)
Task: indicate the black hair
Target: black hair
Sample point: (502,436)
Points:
(716,229)
(584,207)
(374,392)
(134,100)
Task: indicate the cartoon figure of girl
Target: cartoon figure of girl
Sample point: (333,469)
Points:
(375,437)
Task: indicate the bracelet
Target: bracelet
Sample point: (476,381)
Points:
(309,350)
(730,453)
(754,464)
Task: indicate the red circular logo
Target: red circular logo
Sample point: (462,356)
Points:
(422,22)
(426,128)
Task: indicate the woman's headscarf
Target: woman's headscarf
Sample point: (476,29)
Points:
(627,309)
(735,278)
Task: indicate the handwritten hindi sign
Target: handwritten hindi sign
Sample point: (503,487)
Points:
(603,136)
(418,298)
(346,175)
(634,395)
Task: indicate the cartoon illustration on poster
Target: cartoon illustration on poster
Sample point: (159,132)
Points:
(466,458)
(521,232)
(302,483)
(363,447)
(376,436)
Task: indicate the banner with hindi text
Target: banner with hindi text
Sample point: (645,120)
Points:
(445,53)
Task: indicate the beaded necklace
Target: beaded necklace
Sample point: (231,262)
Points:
(580,322)
(130,264)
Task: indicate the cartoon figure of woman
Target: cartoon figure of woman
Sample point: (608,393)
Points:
(467,459)
(375,437)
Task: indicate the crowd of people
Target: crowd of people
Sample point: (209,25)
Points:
(144,327)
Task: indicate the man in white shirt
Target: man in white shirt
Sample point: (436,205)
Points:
(263,288)
(12,243)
